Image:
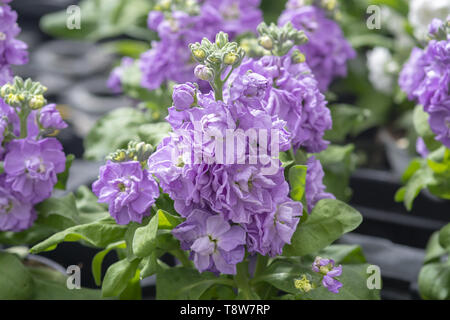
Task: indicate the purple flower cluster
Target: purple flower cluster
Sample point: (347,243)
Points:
(326,51)
(327,268)
(425,78)
(169,59)
(293,96)
(31,165)
(12,51)
(129,190)
(228,200)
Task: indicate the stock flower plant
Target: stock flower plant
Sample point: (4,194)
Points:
(233,191)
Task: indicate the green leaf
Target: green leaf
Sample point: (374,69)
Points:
(64,176)
(338,164)
(344,253)
(52,285)
(98,260)
(418,181)
(297,180)
(144,241)
(98,234)
(328,221)
(153,133)
(118,276)
(444,237)
(133,289)
(281,274)
(434,281)
(149,266)
(15,280)
(354,279)
(59,213)
(423,129)
(105,137)
(347,120)
(167,220)
(184,283)
(434,250)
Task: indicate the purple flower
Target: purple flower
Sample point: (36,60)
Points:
(315,189)
(12,51)
(440,124)
(184,96)
(128,189)
(31,167)
(327,268)
(169,59)
(15,215)
(425,78)
(50,118)
(293,96)
(434,26)
(327,50)
(215,245)
(114,80)
(268,233)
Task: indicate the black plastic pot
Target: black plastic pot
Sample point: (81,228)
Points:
(75,59)
(91,99)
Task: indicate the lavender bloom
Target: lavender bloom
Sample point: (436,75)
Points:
(327,268)
(425,78)
(293,96)
(268,233)
(50,118)
(31,167)
(326,51)
(128,189)
(184,96)
(114,80)
(315,189)
(15,215)
(12,51)
(215,245)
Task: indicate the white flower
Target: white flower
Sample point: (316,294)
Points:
(421,12)
(382,69)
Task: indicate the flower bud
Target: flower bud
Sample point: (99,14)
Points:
(199,54)
(266,42)
(230,58)
(221,39)
(303,284)
(298,57)
(204,73)
(184,96)
(37,102)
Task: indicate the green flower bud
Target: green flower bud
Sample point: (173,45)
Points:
(266,42)
(230,58)
(221,39)
(199,54)
(303,284)
(298,57)
(37,102)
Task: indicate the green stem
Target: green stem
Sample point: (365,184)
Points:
(218,88)
(242,280)
(181,255)
(261,264)
(23,115)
